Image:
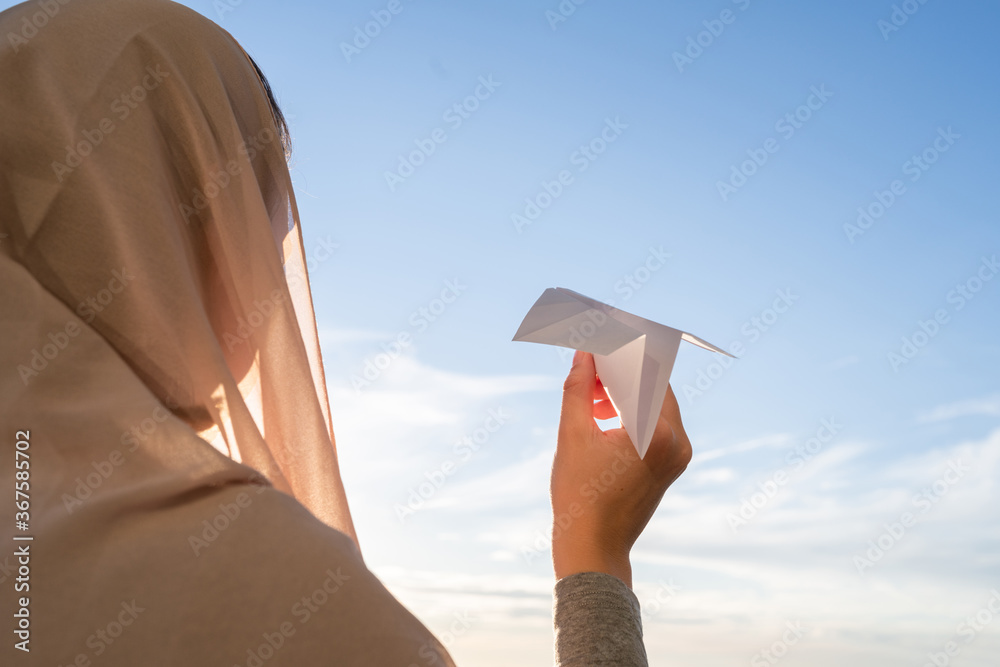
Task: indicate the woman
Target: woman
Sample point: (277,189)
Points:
(163,394)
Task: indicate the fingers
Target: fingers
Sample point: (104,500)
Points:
(674,434)
(603,407)
(670,410)
(668,426)
(600,393)
(578,393)
(605,410)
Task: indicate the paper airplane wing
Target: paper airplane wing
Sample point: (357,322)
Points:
(559,317)
(634,356)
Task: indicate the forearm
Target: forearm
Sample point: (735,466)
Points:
(573,553)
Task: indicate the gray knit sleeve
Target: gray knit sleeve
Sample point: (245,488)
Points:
(597,622)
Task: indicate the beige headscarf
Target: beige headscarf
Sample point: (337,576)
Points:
(161,371)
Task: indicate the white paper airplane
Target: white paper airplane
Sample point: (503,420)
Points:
(634,356)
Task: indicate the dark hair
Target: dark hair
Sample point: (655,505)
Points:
(279,118)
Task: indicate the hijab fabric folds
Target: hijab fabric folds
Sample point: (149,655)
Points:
(161,370)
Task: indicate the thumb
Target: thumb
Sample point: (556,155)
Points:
(578,393)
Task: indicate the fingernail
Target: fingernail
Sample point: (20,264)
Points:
(577,357)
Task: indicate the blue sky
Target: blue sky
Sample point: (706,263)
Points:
(712,594)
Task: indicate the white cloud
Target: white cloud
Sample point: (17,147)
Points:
(796,555)
(462,553)
(399,408)
(510,487)
(713,476)
(772,440)
(988,405)
(843,362)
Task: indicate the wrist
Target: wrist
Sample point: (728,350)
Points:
(569,557)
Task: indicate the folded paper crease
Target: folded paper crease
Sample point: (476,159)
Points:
(634,356)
